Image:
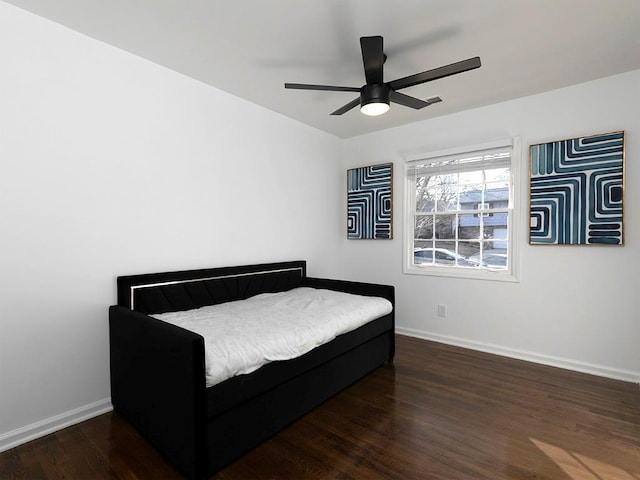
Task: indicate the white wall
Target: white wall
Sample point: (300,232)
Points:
(575,306)
(112,165)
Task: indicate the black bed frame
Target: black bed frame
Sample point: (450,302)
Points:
(158,370)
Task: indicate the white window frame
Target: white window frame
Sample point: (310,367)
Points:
(511,273)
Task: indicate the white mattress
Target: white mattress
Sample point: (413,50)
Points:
(242,336)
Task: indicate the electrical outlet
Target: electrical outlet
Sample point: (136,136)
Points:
(442,310)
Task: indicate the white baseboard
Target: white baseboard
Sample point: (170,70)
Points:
(568,364)
(49,425)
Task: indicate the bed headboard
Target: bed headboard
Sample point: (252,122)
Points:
(174,291)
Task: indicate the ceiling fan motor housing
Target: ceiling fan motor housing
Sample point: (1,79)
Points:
(374,93)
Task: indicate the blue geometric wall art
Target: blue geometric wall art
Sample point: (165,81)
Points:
(576,193)
(369,202)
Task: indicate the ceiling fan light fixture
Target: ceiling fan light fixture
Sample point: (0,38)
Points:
(374,99)
(374,108)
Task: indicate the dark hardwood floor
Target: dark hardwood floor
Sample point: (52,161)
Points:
(439,412)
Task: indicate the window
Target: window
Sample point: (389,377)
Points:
(460,212)
(483,206)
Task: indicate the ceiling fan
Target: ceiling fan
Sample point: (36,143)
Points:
(375,95)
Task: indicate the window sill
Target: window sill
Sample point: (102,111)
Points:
(461,272)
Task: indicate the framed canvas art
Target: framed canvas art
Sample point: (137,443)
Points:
(577,191)
(369,202)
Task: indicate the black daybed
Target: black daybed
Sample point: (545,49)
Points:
(158,369)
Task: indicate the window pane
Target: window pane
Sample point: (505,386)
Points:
(444,190)
(497,175)
(468,248)
(419,243)
(446,203)
(471,197)
(425,204)
(422,256)
(500,233)
(424,227)
(494,258)
(469,226)
(445,226)
(425,200)
(471,178)
(443,182)
(469,252)
(497,195)
(443,255)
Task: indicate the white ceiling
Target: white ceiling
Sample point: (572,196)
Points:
(250,48)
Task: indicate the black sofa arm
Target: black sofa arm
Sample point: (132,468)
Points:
(158,385)
(357,288)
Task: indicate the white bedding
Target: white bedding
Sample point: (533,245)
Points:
(242,336)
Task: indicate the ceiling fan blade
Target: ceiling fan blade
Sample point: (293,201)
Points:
(331,88)
(412,102)
(436,73)
(407,101)
(347,107)
(373,59)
